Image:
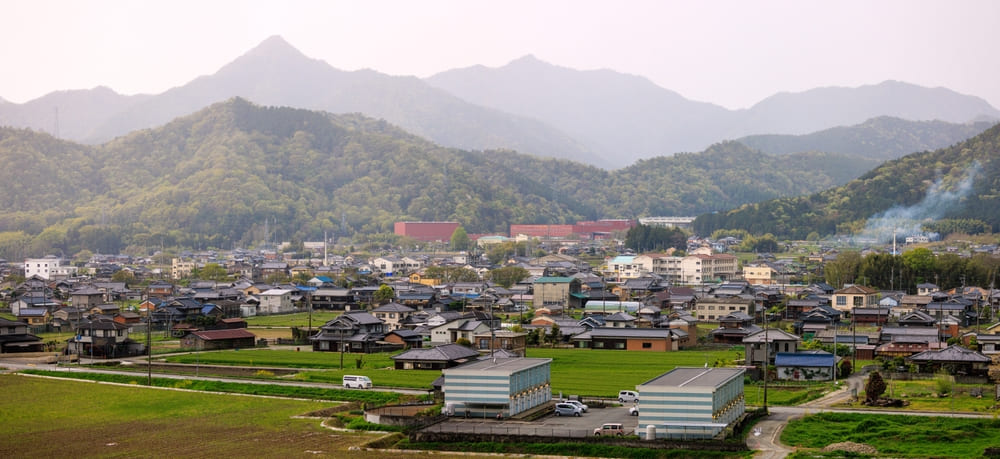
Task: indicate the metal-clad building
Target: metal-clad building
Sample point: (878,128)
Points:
(691,402)
(427,231)
(505,386)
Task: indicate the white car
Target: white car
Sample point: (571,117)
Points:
(578,404)
(634,411)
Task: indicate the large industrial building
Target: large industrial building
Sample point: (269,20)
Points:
(427,231)
(504,386)
(688,403)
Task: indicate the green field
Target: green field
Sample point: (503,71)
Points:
(895,436)
(56,418)
(298,319)
(924,395)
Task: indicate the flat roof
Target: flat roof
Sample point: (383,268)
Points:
(504,365)
(695,377)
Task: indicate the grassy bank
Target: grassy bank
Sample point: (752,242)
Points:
(895,436)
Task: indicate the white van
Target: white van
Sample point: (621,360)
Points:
(628,396)
(357,382)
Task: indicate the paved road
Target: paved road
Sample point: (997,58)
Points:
(14,365)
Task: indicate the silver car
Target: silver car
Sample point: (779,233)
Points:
(567,409)
(578,404)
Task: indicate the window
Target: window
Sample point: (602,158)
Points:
(858,301)
(841,300)
(647,345)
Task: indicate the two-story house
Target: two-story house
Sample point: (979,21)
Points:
(855,296)
(354,331)
(393,315)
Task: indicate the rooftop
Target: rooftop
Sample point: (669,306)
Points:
(695,377)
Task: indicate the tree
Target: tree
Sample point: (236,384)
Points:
(213,272)
(920,261)
(451,274)
(384,294)
(554,335)
(122,275)
(842,270)
(874,388)
(845,368)
(508,275)
(459,239)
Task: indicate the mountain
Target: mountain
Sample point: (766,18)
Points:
(958,182)
(822,108)
(630,118)
(74,114)
(884,138)
(620,116)
(212,178)
(275,73)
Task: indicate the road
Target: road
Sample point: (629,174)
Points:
(14,365)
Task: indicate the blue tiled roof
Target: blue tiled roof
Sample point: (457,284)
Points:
(803,359)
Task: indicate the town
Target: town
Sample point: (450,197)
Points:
(484,329)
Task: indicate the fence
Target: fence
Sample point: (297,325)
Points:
(507,430)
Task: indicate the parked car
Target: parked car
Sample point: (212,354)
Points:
(567,409)
(634,411)
(578,403)
(628,396)
(610,429)
(357,382)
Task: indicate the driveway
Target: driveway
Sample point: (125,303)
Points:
(549,426)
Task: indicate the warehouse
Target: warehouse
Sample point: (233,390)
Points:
(687,403)
(492,387)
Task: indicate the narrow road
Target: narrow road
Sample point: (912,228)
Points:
(13,365)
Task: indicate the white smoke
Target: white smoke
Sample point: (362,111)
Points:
(907,221)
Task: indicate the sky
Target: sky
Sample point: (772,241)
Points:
(731,53)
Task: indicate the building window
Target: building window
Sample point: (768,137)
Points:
(841,300)
(858,301)
(647,345)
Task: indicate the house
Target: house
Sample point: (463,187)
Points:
(405,338)
(103,338)
(733,328)
(620,320)
(435,358)
(334,299)
(513,342)
(775,341)
(15,337)
(873,315)
(714,308)
(463,328)
(760,274)
(160,289)
(558,291)
(955,358)
(631,339)
(393,315)
(499,387)
(276,301)
(354,331)
(36,317)
(86,297)
(927,289)
(855,296)
(805,365)
(237,338)
(690,403)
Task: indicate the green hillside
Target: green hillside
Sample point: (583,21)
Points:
(212,179)
(916,187)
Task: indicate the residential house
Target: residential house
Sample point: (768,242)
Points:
(276,301)
(463,328)
(354,331)
(35,317)
(405,338)
(733,328)
(805,366)
(237,338)
(104,339)
(631,339)
(714,308)
(855,296)
(435,358)
(763,346)
(514,343)
(760,274)
(334,299)
(393,315)
(15,337)
(956,359)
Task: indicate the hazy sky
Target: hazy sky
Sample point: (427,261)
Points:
(732,53)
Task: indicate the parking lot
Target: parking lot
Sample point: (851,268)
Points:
(548,426)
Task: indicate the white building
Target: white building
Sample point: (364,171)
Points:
(504,386)
(276,301)
(688,403)
(47,268)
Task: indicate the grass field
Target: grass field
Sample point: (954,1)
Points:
(895,436)
(584,372)
(298,319)
(94,420)
(924,395)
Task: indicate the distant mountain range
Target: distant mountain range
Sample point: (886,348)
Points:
(213,178)
(601,117)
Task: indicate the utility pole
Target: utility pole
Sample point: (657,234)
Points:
(149,345)
(767,358)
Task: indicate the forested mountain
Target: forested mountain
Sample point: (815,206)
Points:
(957,182)
(629,117)
(878,138)
(213,178)
(275,73)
